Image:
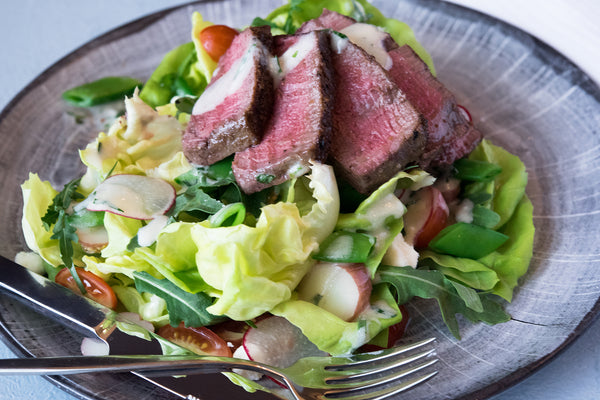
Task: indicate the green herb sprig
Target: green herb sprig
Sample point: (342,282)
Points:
(63,231)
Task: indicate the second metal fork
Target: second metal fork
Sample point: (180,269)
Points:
(367,376)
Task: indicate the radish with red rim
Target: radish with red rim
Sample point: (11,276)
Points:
(276,341)
(426,217)
(132,196)
(342,289)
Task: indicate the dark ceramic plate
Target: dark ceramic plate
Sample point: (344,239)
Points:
(523,96)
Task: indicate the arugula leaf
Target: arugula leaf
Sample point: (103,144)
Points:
(452,297)
(215,175)
(61,202)
(194,199)
(182,306)
(63,231)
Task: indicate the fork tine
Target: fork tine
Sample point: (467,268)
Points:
(385,392)
(376,378)
(362,376)
(377,356)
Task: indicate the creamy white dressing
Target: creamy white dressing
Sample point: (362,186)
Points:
(387,206)
(230,82)
(148,234)
(338,43)
(401,254)
(340,247)
(464,211)
(281,66)
(371,39)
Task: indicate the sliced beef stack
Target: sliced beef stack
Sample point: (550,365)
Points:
(450,135)
(300,126)
(233,110)
(337,90)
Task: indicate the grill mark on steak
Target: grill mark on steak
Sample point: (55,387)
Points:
(300,127)
(225,120)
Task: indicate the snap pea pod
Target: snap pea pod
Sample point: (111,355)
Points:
(346,247)
(230,215)
(475,170)
(467,241)
(101,91)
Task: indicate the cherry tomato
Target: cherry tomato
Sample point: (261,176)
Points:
(216,39)
(198,340)
(96,288)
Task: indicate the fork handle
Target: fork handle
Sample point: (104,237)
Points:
(149,365)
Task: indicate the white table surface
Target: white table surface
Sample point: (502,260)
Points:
(35,34)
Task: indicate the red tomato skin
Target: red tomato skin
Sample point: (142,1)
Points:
(200,340)
(216,39)
(96,288)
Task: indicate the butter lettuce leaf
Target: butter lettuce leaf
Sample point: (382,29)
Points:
(470,272)
(508,188)
(37,197)
(511,260)
(380,214)
(254,268)
(142,142)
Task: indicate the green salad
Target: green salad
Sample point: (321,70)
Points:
(181,245)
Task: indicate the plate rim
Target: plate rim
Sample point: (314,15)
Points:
(584,81)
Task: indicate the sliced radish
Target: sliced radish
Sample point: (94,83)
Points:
(342,289)
(277,342)
(426,217)
(134,318)
(450,188)
(240,353)
(92,239)
(132,196)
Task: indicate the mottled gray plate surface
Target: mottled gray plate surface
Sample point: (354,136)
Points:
(523,96)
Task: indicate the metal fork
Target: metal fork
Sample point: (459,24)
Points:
(367,376)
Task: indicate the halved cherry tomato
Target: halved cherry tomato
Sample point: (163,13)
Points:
(216,39)
(198,340)
(96,288)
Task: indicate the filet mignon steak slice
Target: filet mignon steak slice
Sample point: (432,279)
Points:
(233,110)
(300,128)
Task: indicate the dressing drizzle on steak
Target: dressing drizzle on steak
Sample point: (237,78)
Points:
(231,113)
(300,128)
(377,132)
(337,91)
(450,135)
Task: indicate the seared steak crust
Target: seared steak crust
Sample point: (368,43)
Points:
(223,123)
(377,132)
(451,135)
(301,125)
